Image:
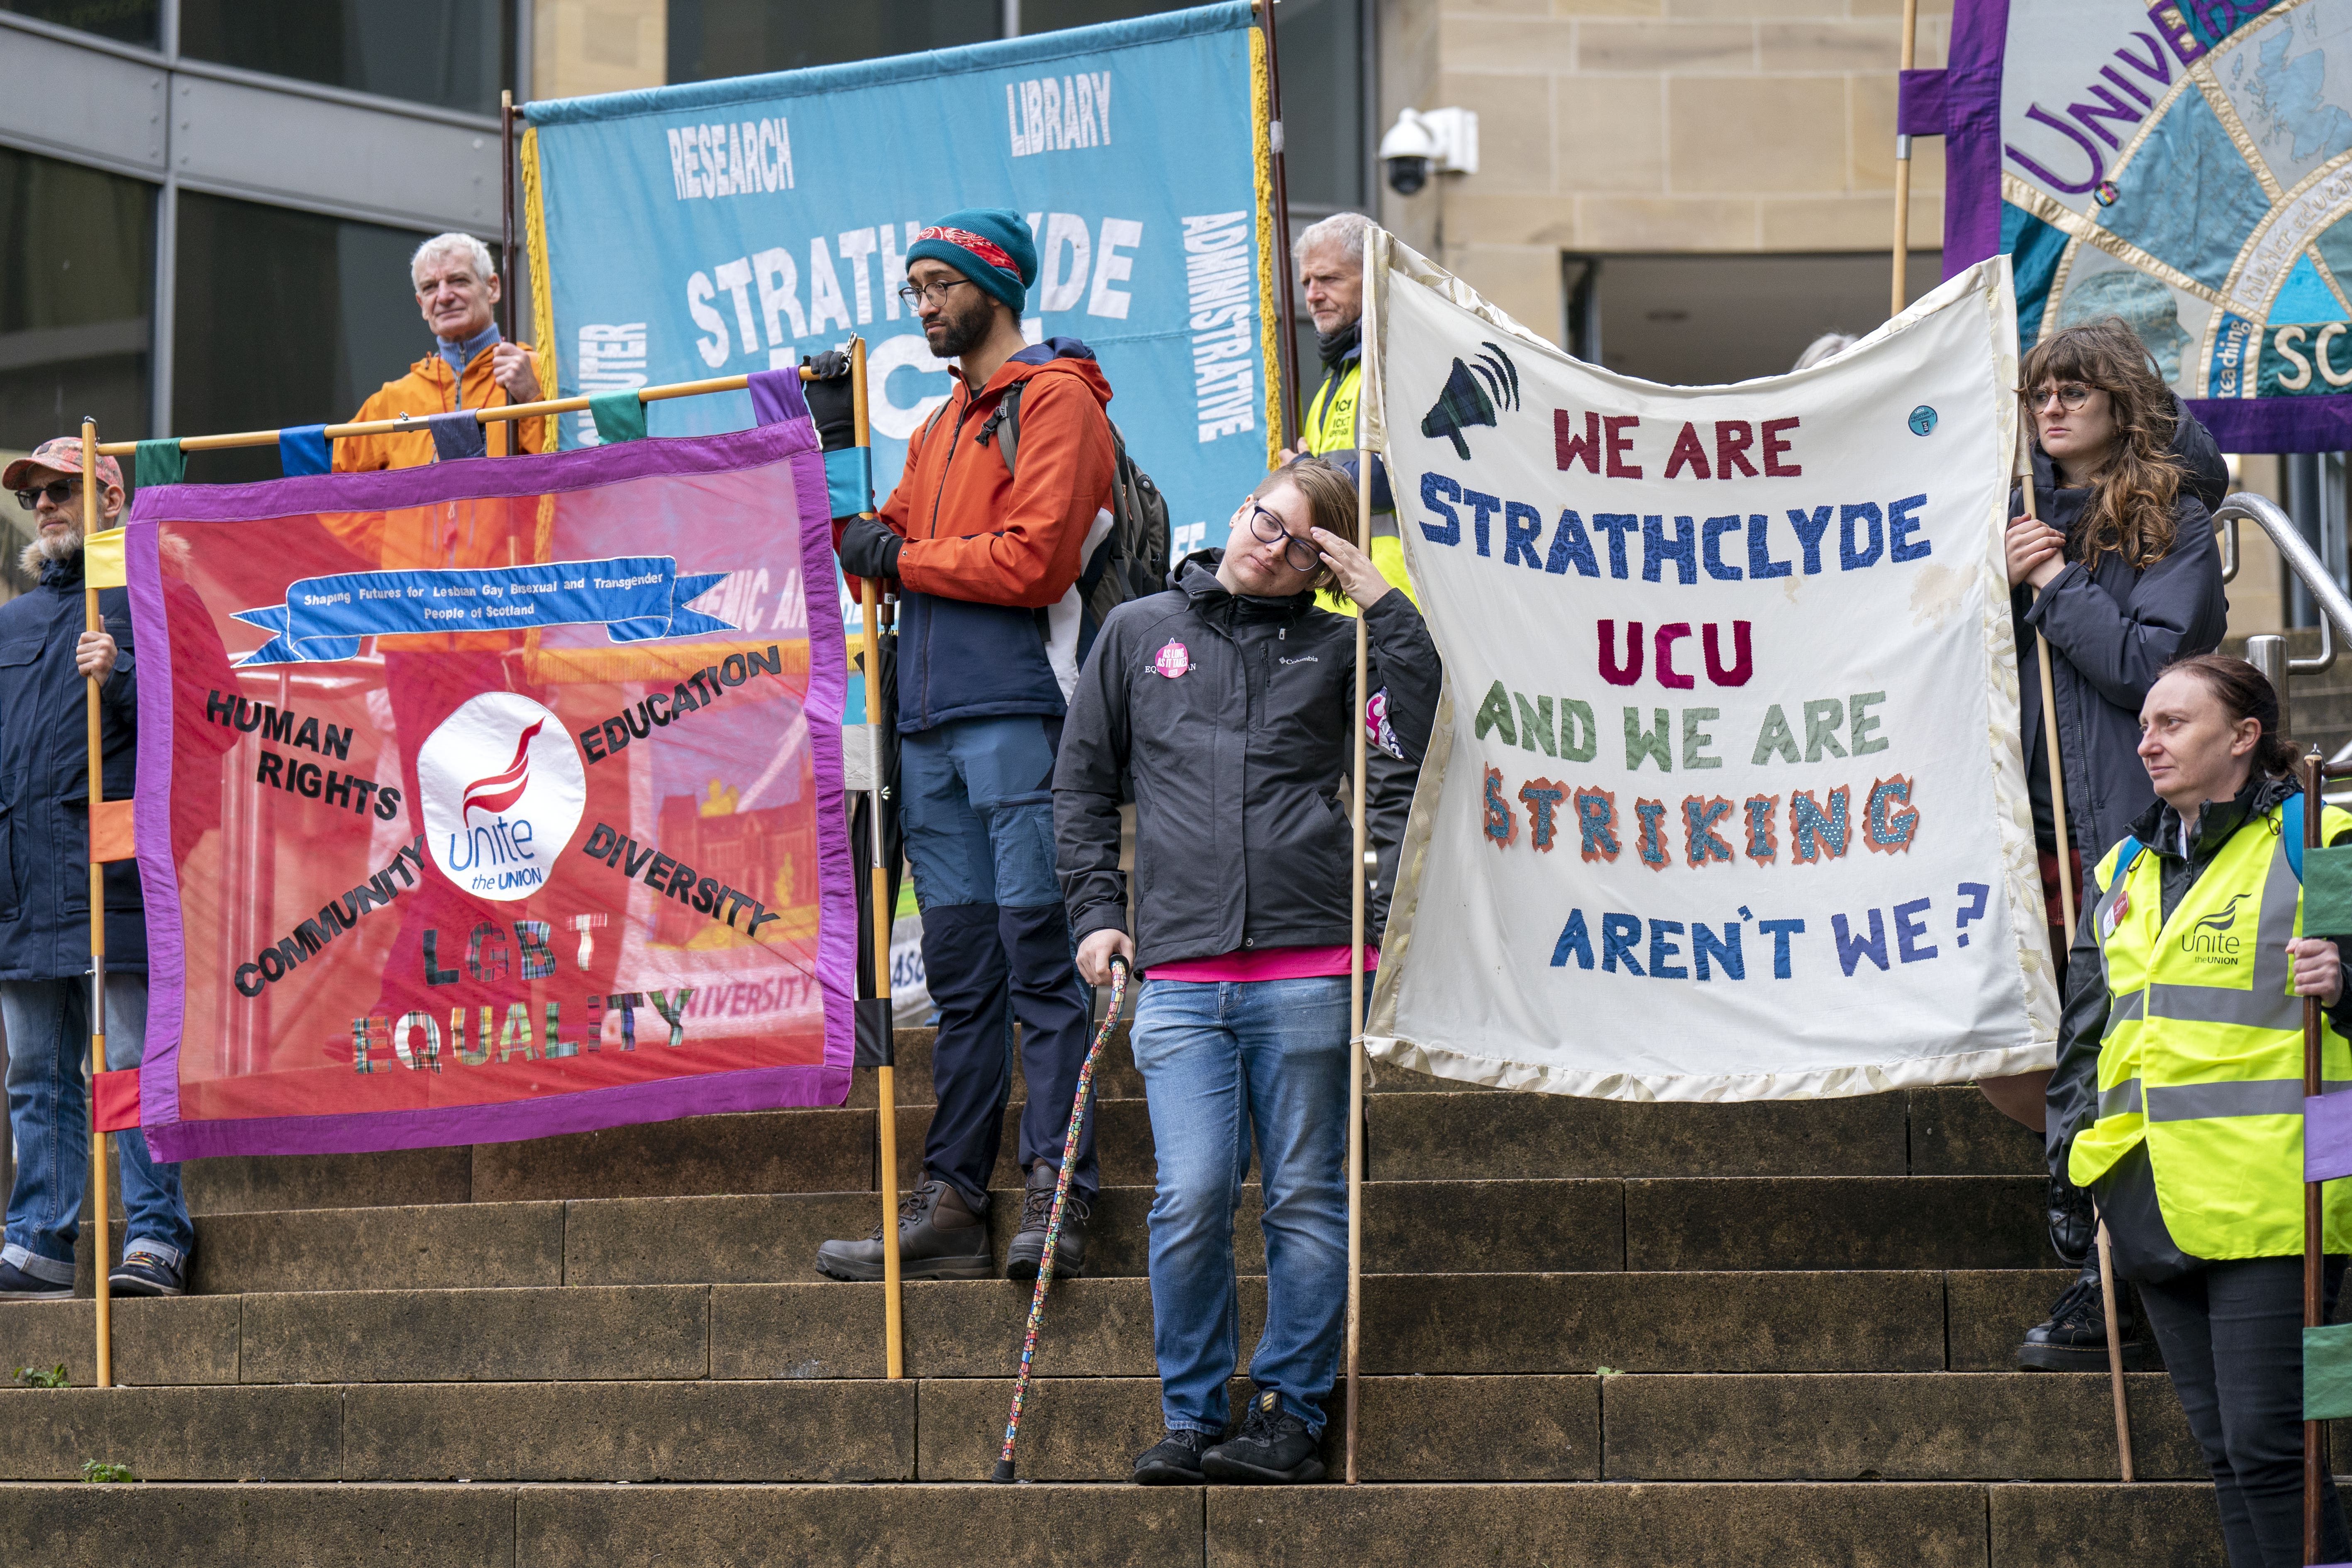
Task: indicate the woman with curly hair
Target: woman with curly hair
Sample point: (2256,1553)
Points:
(2119,570)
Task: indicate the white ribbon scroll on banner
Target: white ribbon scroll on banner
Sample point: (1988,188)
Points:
(1726,799)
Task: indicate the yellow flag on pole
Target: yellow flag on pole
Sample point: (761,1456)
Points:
(101,560)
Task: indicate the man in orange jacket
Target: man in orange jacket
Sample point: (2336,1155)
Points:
(457,292)
(987,559)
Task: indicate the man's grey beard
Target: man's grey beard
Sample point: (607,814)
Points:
(62,546)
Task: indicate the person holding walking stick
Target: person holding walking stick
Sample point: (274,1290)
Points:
(2115,565)
(1227,706)
(2178,1098)
(1006,495)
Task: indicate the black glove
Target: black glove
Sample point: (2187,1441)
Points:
(832,403)
(868,549)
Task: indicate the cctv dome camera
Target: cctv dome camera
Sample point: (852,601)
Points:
(1407,151)
(1407,175)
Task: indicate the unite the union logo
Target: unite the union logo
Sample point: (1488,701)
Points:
(503,791)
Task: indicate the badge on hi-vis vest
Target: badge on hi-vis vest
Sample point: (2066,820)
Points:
(2116,913)
(1172,660)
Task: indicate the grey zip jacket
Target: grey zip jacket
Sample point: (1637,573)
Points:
(1229,720)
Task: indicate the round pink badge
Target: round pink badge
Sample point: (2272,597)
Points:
(1172,660)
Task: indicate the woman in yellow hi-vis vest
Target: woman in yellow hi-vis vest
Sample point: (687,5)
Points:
(2178,1098)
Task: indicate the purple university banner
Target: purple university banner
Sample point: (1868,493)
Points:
(493,799)
(2185,165)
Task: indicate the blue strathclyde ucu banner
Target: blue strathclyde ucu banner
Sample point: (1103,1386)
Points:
(715,228)
(635,596)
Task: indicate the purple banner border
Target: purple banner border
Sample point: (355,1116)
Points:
(1972,134)
(151,823)
(793,443)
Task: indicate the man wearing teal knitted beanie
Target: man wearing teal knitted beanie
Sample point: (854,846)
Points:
(986,536)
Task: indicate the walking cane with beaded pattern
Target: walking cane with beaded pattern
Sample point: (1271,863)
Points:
(1120,971)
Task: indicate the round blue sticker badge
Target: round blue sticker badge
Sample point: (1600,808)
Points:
(1923,419)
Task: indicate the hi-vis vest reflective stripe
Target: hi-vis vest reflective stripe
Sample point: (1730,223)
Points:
(2202,1057)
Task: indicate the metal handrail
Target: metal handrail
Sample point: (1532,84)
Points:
(2266,651)
(2336,609)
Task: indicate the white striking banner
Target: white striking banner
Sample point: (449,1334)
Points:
(1727,800)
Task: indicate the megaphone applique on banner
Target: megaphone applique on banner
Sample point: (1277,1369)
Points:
(1465,403)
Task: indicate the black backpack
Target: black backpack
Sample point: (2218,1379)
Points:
(1133,560)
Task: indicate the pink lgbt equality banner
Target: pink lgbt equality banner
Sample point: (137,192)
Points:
(493,799)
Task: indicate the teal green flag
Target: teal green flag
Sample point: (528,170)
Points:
(619,416)
(2328,1373)
(158,463)
(2328,891)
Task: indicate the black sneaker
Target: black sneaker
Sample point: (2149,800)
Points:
(2073,1224)
(1028,1246)
(15,1285)
(144,1274)
(1273,1448)
(940,1237)
(1174,1461)
(2074,1336)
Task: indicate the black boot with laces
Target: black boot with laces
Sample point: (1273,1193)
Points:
(2073,1225)
(1028,1248)
(1273,1448)
(940,1237)
(2074,1336)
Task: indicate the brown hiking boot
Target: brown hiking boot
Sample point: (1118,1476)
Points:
(940,1237)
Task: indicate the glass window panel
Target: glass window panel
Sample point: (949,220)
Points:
(283,317)
(125,21)
(709,39)
(76,250)
(457,53)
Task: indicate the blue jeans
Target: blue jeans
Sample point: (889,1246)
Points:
(977,805)
(1222,1063)
(48,1114)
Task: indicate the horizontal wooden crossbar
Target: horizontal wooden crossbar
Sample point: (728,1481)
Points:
(481,415)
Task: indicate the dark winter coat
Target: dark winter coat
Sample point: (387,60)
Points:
(1236,763)
(44,784)
(2144,1248)
(2110,632)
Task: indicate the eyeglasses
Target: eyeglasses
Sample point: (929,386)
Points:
(58,490)
(2070,397)
(937,293)
(1301,553)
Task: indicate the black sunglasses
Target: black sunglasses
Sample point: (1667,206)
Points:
(56,489)
(1268,527)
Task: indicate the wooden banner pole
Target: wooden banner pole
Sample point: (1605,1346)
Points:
(894,1345)
(2314,1477)
(2066,910)
(506,215)
(1356,983)
(2115,1354)
(98,1231)
(1903,167)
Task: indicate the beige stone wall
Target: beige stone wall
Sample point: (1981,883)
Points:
(1657,125)
(580,46)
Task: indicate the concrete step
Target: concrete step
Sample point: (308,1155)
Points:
(1436,1133)
(1891,1427)
(1458,1324)
(1739,1223)
(1050,1525)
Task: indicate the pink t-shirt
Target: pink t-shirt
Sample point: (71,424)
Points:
(1248,964)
